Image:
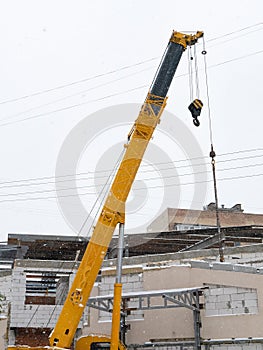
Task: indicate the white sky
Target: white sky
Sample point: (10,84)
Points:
(46,44)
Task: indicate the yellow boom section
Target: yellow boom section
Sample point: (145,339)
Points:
(113,212)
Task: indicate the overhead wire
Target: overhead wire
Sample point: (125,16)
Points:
(74,106)
(76,94)
(145,179)
(135,189)
(126,67)
(16,183)
(234,38)
(236,31)
(118,93)
(77,81)
(116,70)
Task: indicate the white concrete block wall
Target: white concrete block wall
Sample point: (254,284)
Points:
(224,300)
(157,347)
(242,346)
(35,316)
(131,283)
(23,315)
(5,294)
(18,287)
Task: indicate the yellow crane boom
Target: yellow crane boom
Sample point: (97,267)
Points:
(113,211)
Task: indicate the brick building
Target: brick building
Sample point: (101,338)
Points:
(173,219)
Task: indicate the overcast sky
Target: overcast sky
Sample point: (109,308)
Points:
(61,61)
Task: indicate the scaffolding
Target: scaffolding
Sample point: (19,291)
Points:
(152,300)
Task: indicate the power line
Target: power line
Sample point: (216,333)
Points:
(15,183)
(119,93)
(145,179)
(236,59)
(236,37)
(75,105)
(135,189)
(236,31)
(113,71)
(77,81)
(76,94)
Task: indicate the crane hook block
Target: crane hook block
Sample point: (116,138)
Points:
(195,108)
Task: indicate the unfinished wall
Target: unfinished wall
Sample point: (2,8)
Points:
(5,291)
(132,280)
(223,300)
(3,332)
(5,299)
(239,345)
(163,272)
(233,307)
(31,323)
(26,315)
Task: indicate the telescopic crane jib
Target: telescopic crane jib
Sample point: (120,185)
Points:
(113,211)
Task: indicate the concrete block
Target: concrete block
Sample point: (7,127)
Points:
(132,278)
(244,268)
(221,305)
(249,303)
(222,266)
(243,290)
(19,298)
(128,287)
(210,306)
(108,279)
(137,286)
(248,255)
(237,304)
(230,290)
(224,297)
(200,264)
(210,298)
(253,310)
(238,311)
(238,296)
(225,312)
(105,286)
(250,296)
(216,291)
(124,278)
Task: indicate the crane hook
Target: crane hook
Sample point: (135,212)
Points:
(195,108)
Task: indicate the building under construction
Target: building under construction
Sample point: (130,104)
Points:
(198,301)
